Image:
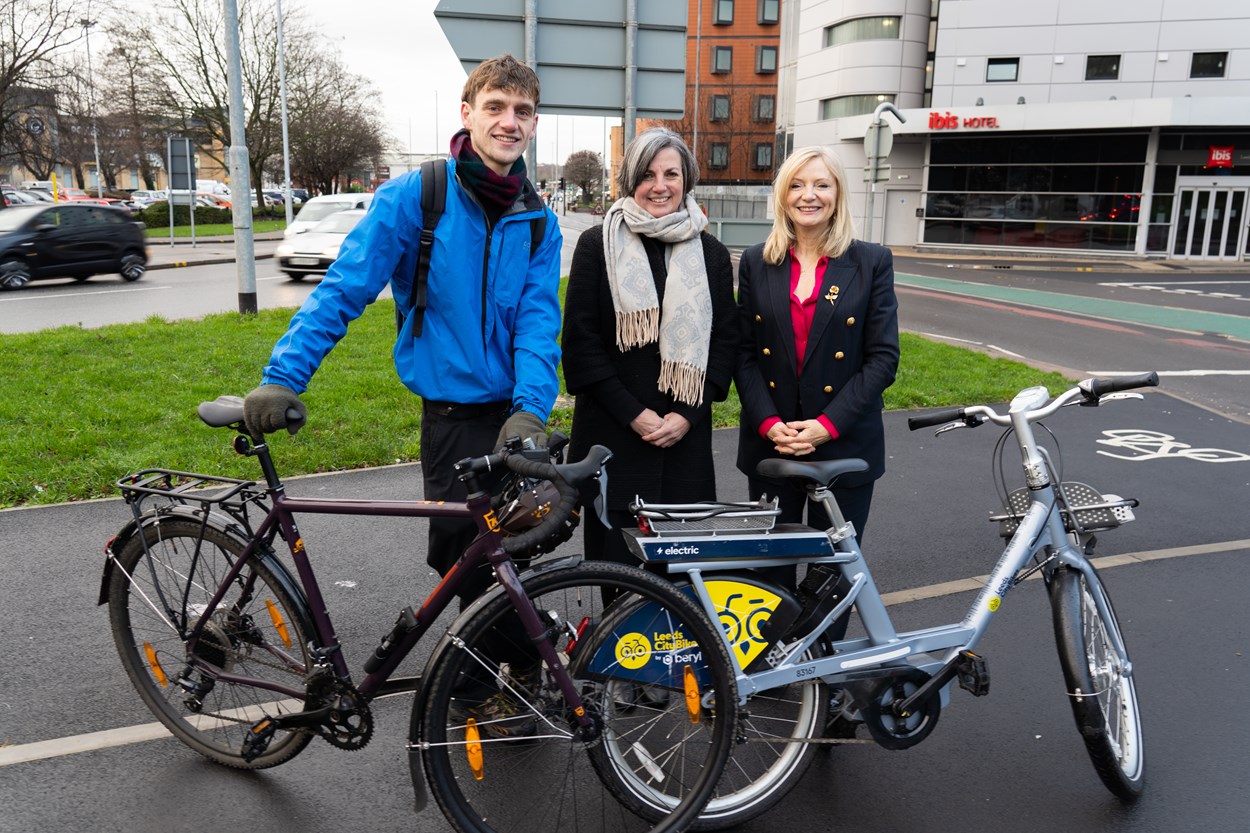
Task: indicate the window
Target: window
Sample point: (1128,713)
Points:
(765,108)
(1102,67)
(722,59)
(720,108)
(1208,65)
(719,156)
(723,12)
(863,28)
(762,158)
(851,105)
(768,11)
(765,59)
(1002,69)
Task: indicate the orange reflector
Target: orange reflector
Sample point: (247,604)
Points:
(279,623)
(692,694)
(155,665)
(473,748)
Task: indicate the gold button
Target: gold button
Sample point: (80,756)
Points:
(767,352)
(772,384)
(850,321)
(839,355)
(828,388)
(758,319)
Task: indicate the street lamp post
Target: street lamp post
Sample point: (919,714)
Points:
(95,132)
(286,143)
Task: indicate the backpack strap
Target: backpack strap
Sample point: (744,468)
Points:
(433,200)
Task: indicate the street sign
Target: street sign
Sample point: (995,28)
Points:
(181,160)
(580,51)
(883,173)
(879,147)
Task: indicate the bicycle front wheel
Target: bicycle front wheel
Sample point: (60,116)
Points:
(502,750)
(1100,688)
(157,592)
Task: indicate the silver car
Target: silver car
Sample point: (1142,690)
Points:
(312,252)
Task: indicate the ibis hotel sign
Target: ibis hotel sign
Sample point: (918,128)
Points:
(953,121)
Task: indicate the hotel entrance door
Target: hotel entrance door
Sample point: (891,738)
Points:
(1210,224)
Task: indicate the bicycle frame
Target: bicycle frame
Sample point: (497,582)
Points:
(1040,532)
(486,548)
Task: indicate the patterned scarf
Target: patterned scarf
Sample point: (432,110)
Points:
(496,193)
(684,326)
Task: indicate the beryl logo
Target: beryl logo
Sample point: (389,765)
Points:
(1220,157)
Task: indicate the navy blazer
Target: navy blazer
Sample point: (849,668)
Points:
(852,355)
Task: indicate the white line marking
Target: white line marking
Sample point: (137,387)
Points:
(1172,372)
(29,297)
(1157,284)
(109,738)
(1004,350)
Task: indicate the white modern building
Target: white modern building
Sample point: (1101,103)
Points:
(1117,127)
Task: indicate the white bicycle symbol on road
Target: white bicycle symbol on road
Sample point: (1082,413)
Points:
(1153,445)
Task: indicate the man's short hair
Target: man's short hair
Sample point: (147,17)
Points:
(502,72)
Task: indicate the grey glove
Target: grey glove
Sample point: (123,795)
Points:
(525,425)
(265,411)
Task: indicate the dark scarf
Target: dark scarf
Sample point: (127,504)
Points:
(496,193)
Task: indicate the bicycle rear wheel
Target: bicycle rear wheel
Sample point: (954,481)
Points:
(1101,689)
(157,593)
(652,672)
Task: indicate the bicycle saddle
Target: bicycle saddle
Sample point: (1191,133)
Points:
(822,472)
(222,411)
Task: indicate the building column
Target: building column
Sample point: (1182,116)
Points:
(1147,192)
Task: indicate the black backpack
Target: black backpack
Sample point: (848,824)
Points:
(433,201)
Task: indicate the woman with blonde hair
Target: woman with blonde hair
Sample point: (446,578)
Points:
(819,324)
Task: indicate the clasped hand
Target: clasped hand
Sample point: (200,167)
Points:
(799,437)
(661,431)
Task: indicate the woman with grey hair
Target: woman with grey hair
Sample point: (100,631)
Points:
(650,338)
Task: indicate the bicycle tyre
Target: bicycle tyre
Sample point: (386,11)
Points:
(771,754)
(552,782)
(243,637)
(1103,698)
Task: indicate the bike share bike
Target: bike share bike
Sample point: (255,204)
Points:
(615,680)
(894,683)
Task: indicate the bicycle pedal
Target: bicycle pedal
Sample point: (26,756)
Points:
(973,674)
(258,738)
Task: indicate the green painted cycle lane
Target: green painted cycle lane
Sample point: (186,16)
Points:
(1234,326)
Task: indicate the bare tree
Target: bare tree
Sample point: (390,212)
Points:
(32,33)
(584,169)
(135,124)
(335,127)
(186,39)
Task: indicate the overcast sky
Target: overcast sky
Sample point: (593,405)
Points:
(399,46)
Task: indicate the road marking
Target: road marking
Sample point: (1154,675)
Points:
(1163,373)
(1183,288)
(29,297)
(109,738)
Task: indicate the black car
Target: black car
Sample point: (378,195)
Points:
(65,240)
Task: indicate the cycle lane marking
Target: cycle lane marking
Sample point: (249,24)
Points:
(123,736)
(1236,326)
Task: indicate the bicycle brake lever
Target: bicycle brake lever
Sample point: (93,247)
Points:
(967,422)
(1106,397)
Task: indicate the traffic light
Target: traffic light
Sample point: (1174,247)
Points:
(561,185)
(542,185)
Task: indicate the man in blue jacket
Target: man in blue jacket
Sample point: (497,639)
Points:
(485,361)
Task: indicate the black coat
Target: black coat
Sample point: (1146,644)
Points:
(614,387)
(852,356)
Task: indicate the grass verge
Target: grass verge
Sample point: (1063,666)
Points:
(212,229)
(85,407)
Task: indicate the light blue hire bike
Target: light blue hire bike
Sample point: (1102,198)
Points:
(799,689)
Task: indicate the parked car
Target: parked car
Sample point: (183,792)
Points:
(318,208)
(37,194)
(299,194)
(70,239)
(312,252)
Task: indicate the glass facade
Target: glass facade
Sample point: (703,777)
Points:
(863,28)
(1074,191)
(851,105)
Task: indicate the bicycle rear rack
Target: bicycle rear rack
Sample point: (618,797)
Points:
(708,517)
(172,488)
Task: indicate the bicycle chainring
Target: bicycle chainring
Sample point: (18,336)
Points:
(348,723)
(894,731)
